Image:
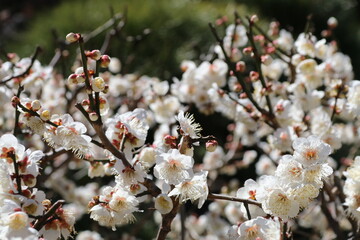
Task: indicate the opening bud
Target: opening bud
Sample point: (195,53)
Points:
(72,79)
(254,76)
(94,54)
(248,50)
(170,140)
(98,84)
(254,18)
(73,37)
(211,145)
(240,66)
(13,57)
(80,78)
(45,115)
(35,105)
(93,116)
(105,61)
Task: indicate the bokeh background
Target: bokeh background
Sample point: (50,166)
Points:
(168,31)
(179,28)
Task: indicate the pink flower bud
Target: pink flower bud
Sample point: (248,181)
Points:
(254,76)
(94,54)
(240,66)
(266,59)
(80,78)
(248,50)
(15,100)
(211,145)
(73,37)
(170,140)
(105,61)
(13,57)
(72,79)
(254,18)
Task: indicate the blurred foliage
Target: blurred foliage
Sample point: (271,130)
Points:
(179,30)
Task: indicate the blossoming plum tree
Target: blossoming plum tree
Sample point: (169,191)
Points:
(293,109)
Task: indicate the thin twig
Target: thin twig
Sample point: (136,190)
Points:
(261,76)
(332,222)
(42,221)
(241,81)
(27,70)
(214,196)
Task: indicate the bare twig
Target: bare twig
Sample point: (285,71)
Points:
(213,196)
(332,222)
(244,86)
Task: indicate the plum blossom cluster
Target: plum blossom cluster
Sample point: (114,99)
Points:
(116,145)
(23,206)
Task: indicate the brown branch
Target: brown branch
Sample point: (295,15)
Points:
(17,129)
(89,90)
(332,222)
(244,86)
(167,219)
(33,113)
(104,140)
(17,175)
(261,75)
(339,90)
(214,196)
(42,221)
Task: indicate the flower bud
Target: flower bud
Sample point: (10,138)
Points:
(240,66)
(73,37)
(170,140)
(254,76)
(211,145)
(93,116)
(266,59)
(35,105)
(80,78)
(254,18)
(332,22)
(248,50)
(106,89)
(104,61)
(147,157)
(15,100)
(98,84)
(13,57)
(72,79)
(94,54)
(45,115)
(163,204)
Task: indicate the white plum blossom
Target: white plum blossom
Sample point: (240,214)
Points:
(193,189)
(188,125)
(174,167)
(311,151)
(69,134)
(259,228)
